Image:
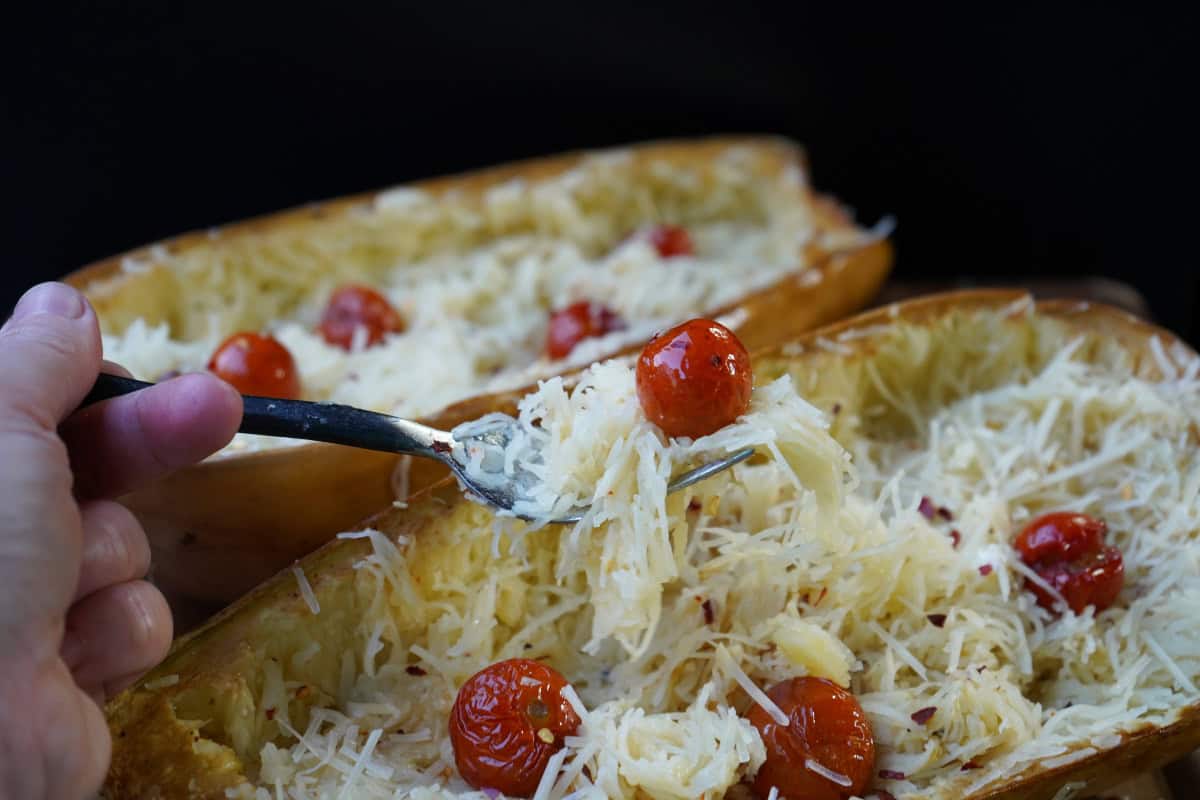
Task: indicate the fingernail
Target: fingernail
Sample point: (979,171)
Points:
(50,298)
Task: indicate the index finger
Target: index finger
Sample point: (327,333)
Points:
(124,442)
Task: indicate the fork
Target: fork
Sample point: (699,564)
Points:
(370,430)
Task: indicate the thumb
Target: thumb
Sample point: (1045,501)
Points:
(49,356)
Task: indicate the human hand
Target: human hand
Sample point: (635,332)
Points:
(77,623)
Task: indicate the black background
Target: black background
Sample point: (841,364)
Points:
(1007,143)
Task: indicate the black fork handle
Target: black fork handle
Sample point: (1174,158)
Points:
(303,419)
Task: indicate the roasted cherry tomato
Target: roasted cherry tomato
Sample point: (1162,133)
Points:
(352,307)
(571,325)
(826,727)
(507,721)
(256,364)
(671,241)
(694,379)
(1067,551)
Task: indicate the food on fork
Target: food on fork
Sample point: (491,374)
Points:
(694,379)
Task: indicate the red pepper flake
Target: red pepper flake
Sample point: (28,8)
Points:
(303,692)
(972,764)
(891,775)
(927,508)
(270,712)
(708,612)
(985,570)
(937,620)
(884,794)
(955,537)
(944,513)
(924,715)
(413,669)
(693,504)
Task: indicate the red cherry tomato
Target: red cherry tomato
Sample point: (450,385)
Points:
(571,325)
(507,721)
(1067,551)
(256,364)
(826,725)
(671,241)
(352,307)
(1060,536)
(694,379)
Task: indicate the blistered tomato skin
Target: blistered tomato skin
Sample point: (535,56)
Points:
(352,307)
(1060,536)
(507,721)
(571,325)
(257,365)
(1067,551)
(671,241)
(694,379)
(1094,580)
(825,725)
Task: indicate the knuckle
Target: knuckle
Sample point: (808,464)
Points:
(122,545)
(52,334)
(37,448)
(21,404)
(43,353)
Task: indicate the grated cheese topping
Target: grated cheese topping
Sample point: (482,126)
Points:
(306,590)
(671,615)
(477,315)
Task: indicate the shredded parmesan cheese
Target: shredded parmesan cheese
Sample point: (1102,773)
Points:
(476,306)
(828,774)
(671,615)
(162,683)
(306,591)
